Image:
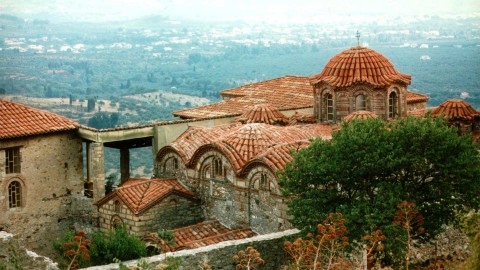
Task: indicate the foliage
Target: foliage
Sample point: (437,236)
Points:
(109,181)
(167,236)
(323,250)
(14,259)
(471,227)
(371,166)
(102,120)
(118,244)
(248,259)
(77,251)
(171,263)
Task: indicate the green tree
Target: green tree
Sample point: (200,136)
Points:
(370,166)
(102,120)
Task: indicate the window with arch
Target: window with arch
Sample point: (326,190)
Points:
(170,166)
(217,167)
(117,206)
(360,103)
(392,105)
(264,185)
(14,194)
(116,223)
(328,107)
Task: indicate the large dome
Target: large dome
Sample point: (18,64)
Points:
(360,65)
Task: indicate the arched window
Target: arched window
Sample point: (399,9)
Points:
(329,107)
(118,206)
(14,194)
(170,166)
(360,103)
(392,105)
(116,223)
(217,168)
(264,185)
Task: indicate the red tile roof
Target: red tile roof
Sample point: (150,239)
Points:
(360,65)
(263,113)
(200,235)
(456,109)
(420,112)
(242,143)
(302,118)
(413,97)
(363,115)
(284,93)
(278,156)
(140,194)
(17,120)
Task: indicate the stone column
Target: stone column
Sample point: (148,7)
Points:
(124,164)
(97,170)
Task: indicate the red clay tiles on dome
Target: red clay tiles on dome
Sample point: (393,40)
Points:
(357,65)
(363,115)
(200,235)
(140,194)
(263,113)
(301,118)
(17,120)
(456,109)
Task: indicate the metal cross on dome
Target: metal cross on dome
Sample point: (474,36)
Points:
(358,38)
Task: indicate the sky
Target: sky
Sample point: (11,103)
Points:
(251,10)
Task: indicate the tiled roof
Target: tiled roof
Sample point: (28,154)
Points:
(279,155)
(456,109)
(363,115)
(242,143)
(263,113)
(17,120)
(420,112)
(360,65)
(413,97)
(140,194)
(200,235)
(302,118)
(284,93)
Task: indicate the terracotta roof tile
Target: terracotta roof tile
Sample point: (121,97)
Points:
(363,115)
(420,112)
(413,97)
(456,109)
(17,120)
(263,113)
(360,65)
(284,93)
(279,155)
(140,194)
(302,118)
(199,235)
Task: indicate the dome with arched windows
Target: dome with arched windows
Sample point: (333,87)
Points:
(360,65)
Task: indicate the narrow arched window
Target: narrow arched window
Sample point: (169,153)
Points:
(170,166)
(118,206)
(217,168)
(329,106)
(360,103)
(14,194)
(264,185)
(392,105)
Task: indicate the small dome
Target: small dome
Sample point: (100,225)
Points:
(363,115)
(456,109)
(357,65)
(263,113)
(251,139)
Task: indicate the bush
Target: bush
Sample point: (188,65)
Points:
(118,244)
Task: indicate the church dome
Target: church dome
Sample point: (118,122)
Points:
(263,113)
(360,65)
(363,115)
(456,109)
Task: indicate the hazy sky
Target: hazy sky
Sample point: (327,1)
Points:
(265,10)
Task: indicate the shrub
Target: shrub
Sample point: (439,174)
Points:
(118,244)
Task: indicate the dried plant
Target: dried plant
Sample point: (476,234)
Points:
(77,250)
(322,250)
(249,259)
(411,221)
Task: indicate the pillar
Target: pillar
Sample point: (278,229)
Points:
(124,164)
(97,170)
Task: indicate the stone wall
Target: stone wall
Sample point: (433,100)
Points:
(172,212)
(51,174)
(220,255)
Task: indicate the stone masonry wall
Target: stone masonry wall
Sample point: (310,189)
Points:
(51,174)
(172,212)
(220,255)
